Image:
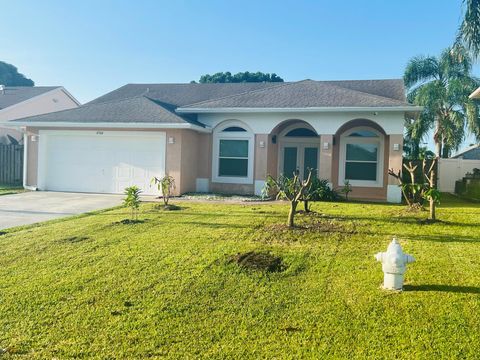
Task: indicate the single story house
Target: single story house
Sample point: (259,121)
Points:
(21,101)
(223,138)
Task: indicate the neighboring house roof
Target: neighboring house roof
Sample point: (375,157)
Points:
(303,94)
(139,109)
(470,153)
(12,95)
(475,94)
(170,103)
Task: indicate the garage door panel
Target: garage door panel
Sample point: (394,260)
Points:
(86,162)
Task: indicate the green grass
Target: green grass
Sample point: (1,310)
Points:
(10,189)
(89,288)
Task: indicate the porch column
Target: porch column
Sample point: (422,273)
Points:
(395,151)
(326,153)
(261,162)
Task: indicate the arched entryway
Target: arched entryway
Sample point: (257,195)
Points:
(299,150)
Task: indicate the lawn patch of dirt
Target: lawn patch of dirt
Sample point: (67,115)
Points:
(74,239)
(128,222)
(169,207)
(260,261)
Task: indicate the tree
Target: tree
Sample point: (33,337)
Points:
(289,188)
(9,76)
(469,31)
(166,185)
(241,77)
(442,86)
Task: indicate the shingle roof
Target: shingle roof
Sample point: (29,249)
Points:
(160,103)
(15,94)
(138,109)
(310,94)
(180,94)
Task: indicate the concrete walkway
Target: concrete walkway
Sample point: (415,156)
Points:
(37,206)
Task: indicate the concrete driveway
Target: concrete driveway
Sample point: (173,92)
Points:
(32,207)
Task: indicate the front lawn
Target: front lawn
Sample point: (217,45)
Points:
(91,287)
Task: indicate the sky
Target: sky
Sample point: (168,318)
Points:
(93,47)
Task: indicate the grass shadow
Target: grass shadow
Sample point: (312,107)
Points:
(443,288)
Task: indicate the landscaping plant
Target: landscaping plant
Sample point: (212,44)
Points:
(319,190)
(346,189)
(166,185)
(132,200)
(289,188)
(431,194)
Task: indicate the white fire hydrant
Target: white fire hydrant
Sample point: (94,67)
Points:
(394,264)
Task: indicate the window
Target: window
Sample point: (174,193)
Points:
(232,154)
(361,156)
(361,162)
(301,132)
(233,158)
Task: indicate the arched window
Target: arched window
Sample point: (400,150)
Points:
(361,157)
(232,154)
(301,132)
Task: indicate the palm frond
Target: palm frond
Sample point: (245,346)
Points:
(420,69)
(469,30)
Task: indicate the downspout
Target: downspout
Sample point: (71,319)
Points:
(25,158)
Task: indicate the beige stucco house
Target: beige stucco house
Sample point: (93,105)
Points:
(223,137)
(21,101)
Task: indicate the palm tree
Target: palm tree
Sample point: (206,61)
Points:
(442,86)
(469,31)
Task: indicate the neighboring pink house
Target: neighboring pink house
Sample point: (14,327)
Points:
(21,101)
(223,137)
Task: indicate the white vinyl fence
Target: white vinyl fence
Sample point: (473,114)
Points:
(451,170)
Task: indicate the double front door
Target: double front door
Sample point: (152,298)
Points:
(297,159)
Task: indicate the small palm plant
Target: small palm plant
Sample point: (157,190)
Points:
(132,200)
(166,185)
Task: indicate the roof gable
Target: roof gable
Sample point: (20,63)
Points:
(12,95)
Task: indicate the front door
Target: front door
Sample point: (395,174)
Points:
(297,159)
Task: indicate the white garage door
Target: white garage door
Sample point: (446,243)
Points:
(100,161)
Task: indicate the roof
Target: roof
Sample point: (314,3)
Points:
(180,94)
(16,94)
(471,149)
(139,109)
(312,94)
(165,103)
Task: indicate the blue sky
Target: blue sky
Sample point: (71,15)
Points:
(92,47)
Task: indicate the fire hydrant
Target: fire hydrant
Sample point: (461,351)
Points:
(394,264)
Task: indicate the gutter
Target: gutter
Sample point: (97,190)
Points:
(103,125)
(411,108)
(475,94)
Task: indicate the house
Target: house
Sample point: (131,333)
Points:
(470,153)
(22,101)
(223,137)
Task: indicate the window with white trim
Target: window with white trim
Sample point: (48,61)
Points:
(233,158)
(361,155)
(232,154)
